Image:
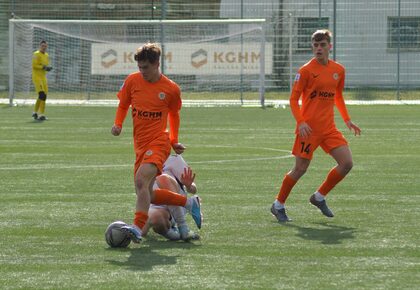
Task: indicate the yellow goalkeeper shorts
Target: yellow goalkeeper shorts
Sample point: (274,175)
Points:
(41,85)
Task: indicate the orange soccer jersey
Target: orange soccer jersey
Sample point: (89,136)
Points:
(151,106)
(320,86)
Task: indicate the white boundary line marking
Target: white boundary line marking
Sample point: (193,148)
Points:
(203,103)
(106,166)
(240,160)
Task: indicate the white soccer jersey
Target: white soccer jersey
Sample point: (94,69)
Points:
(174,166)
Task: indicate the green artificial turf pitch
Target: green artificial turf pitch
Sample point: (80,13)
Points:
(64,180)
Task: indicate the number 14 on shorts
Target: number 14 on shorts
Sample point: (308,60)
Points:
(305,148)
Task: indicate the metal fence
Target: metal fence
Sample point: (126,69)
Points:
(378,41)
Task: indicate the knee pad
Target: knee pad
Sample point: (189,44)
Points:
(42,96)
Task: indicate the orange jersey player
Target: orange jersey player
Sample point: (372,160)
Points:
(320,84)
(154,99)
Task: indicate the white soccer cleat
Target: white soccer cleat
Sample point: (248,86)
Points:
(173,234)
(186,234)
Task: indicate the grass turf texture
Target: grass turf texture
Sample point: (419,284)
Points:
(64,180)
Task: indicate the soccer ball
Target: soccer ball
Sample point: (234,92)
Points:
(115,237)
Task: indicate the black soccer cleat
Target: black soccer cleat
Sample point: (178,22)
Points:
(42,118)
(35,116)
(322,205)
(280,214)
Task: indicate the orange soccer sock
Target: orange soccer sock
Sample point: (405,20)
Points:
(286,188)
(140,219)
(167,197)
(333,178)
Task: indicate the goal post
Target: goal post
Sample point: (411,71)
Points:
(212,60)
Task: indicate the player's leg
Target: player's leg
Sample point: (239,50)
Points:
(162,196)
(303,151)
(192,204)
(291,178)
(39,90)
(43,98)
(289,181)
(143,182)
(344,160)
(177,212)
(337,147)
(165,181)
(160,221)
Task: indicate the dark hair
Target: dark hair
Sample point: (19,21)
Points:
(322,34)
(42,42)
(149,51)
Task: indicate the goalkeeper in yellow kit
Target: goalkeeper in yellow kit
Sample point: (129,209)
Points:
(40,67)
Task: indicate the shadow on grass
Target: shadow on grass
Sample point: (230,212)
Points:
(145,256)
(324,232)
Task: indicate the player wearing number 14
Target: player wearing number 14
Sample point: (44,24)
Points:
(320,83)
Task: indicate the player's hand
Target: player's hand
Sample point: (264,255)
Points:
(178,148)
(353,127)
(304,130)
(187,178)
(116,130)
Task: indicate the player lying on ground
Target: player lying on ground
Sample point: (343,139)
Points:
(166,220)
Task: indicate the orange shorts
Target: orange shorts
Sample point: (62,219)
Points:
(305,148)
(155,152)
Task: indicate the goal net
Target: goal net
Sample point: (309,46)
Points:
(211,60)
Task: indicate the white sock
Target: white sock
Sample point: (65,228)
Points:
(278,205)
(188,204)
(319,196)
(178,213)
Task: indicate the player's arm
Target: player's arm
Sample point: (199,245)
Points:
(298,87)
(124,104)
(174,122)
(341,106)
(177,167)
(187,179)
(36,62)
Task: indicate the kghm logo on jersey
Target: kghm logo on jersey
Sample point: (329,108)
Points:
(322,94)
(162,96)
(146,115)
(326,95)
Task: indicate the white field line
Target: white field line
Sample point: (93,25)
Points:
(107,166)
(202,103)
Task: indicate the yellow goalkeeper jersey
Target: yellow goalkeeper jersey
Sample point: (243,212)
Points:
(39,60)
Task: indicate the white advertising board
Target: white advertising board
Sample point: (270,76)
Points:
(184,59)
